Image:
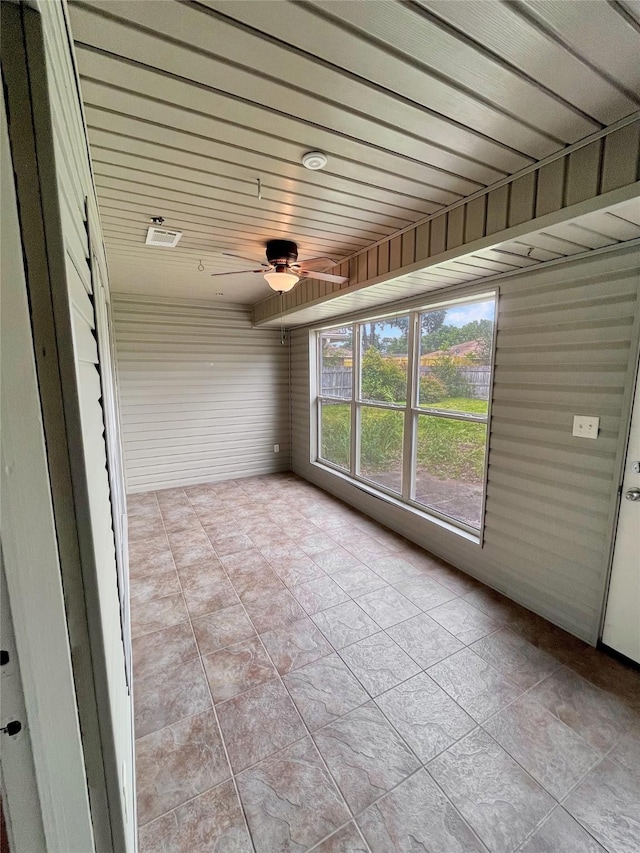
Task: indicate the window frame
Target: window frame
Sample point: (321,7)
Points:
(411,409)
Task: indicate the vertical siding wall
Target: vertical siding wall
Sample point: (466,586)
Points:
(566,344)
(204,395)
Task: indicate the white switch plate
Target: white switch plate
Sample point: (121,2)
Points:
(585,427)
(276,448)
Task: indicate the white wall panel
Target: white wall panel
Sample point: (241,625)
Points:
(204,395)
(566,344)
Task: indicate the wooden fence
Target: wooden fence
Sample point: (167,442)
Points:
(337,381)
(478,378)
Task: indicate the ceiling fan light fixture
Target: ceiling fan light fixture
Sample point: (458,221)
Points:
(314,160)
(280,280)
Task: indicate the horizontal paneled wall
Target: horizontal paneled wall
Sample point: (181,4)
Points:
(539,197)
(566,344)
(204,396)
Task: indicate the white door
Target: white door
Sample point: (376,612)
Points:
(622,619)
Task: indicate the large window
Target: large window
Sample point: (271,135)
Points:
(403,405)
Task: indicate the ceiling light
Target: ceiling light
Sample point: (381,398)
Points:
(314,160)
(281,281)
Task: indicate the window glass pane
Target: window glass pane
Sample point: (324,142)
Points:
(450,467)
(335,433)
(455,357)
(381,437)
(336,362)
(383,346)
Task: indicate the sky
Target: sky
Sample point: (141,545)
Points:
(458,315)
(463,314)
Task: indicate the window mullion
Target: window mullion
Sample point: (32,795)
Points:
(355,395)
(408,474)
(318,402)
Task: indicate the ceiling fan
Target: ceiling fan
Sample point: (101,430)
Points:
(282,271)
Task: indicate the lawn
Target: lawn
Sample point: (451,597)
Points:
(446,448)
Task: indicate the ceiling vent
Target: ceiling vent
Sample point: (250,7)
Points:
(162,237)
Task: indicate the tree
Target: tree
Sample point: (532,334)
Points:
(432,321)
(481,331)
(432,331)
(368,336)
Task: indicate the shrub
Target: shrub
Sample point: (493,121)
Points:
(383,379)
(448,372)
(431,389)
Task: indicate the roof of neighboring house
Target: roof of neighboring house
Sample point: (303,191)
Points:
(333,349)
(460,350)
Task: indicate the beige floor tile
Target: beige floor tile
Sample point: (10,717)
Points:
(325,690)
(417,816)
(169,695)
(607,804)
(296,644)
(365,755)
(290,800)
(425,715)
(258,723)
(177,763)
(378,663)
(161,649)
(212,821)
(501,802)
(222,628)
(237,668)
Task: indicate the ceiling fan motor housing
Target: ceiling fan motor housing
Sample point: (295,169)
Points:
(282,252)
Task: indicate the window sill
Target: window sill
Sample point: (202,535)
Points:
(473,538)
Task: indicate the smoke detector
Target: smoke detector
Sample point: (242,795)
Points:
(162,237)
(314,160)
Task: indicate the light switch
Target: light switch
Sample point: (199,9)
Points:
(585,427)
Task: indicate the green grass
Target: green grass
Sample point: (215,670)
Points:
(471,405)
(446,448)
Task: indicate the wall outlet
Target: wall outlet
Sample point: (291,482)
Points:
(585,427)
(276,448)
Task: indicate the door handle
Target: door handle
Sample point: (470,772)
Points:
(632,494)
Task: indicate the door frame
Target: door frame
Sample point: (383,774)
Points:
(632,379)
(91,795)
(632,401)
(32,562)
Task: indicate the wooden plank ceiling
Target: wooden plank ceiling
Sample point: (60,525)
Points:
(415,104)
(616,226)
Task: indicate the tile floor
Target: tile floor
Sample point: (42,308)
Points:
(305,679)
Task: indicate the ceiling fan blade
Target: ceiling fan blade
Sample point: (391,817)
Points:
(323,276)
(235,272)
(244,258)
(319,264)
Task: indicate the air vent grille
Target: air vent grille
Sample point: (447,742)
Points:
(162,237)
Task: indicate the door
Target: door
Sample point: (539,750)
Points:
(622,619)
